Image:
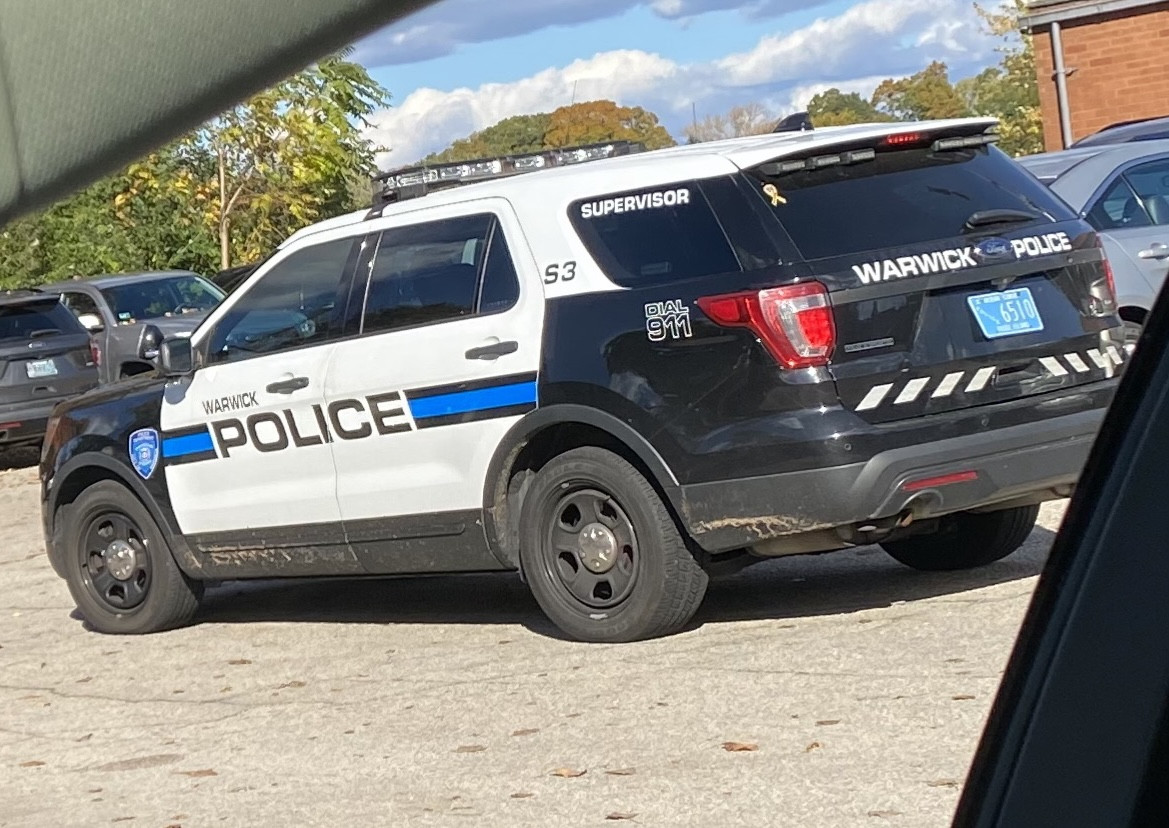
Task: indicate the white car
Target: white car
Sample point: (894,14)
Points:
(616,378)
(1123,191)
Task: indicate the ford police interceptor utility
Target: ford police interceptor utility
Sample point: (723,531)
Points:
(616,377)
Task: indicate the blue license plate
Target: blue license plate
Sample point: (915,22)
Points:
(1007,313)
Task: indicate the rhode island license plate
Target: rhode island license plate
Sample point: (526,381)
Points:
(1007,313)
(40,368)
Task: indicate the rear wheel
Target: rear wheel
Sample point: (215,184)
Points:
(118,566)
(966,540)
(602,554)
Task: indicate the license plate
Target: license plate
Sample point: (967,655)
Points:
(1007,313)
(40,368)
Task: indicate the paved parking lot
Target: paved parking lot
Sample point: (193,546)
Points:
(860,685)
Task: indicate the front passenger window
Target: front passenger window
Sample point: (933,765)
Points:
(293,305)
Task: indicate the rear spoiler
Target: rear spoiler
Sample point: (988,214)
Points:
(938,136)
(27,296)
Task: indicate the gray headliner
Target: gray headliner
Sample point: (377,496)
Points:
(89,85)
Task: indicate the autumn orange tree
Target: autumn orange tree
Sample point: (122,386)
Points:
(590,122)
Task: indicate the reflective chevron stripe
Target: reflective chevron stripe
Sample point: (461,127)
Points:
(972,382)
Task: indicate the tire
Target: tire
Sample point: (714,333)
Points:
(966,540)
(653,585)
(144,590)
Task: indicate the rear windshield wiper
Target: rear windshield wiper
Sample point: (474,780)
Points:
(989,218)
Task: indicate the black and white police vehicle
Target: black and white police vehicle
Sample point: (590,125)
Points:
(616,377)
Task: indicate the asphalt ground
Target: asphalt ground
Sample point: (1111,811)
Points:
(855,689)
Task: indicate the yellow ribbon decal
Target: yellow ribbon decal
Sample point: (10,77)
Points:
(772,192)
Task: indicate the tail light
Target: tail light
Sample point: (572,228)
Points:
(1103,291)
(95,352)
(794,322)
(1110,278)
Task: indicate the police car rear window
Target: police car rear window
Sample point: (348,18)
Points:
(655,235)
(900,198)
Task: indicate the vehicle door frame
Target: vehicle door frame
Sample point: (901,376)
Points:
(332,553)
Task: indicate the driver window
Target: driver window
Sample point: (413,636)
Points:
(293,305)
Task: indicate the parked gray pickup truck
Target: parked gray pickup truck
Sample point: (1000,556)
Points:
(126,313)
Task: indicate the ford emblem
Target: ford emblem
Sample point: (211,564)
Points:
(993,249)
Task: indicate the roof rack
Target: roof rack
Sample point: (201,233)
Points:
(415,182)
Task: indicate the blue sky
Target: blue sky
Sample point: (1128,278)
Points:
(462,65)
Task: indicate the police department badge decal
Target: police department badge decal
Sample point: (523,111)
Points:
(144,451)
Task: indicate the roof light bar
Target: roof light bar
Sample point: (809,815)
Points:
(412,182)
(943,144)
(817,162)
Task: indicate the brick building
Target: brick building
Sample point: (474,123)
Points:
(1113,64)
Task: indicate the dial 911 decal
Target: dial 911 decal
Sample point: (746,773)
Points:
(667,320)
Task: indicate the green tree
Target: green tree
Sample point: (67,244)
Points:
(926,95)
(517,134)
(835,108)
(593,122)
(1008,91)
(231,190)
(282,159)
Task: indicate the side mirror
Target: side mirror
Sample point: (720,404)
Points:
(150,342)
(91,322)
(175,357)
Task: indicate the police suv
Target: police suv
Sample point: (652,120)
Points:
(617,378)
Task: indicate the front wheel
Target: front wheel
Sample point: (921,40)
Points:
(966,540)
(118,566)
(602,554)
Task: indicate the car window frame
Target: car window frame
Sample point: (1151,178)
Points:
(1119,172)
(359,295)
(98,305)
(205,334)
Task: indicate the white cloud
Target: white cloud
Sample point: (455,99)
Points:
(440,29)
(853,51)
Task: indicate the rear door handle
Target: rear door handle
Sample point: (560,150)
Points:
(288,386)
(494,350)
(1156,250)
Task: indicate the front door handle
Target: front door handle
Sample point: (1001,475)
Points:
(1156,250)
(494,350)
(288,386)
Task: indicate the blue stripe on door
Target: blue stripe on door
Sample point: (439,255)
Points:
(480,399)
(187,444)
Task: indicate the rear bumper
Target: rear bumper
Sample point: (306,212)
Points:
(26,422)
(1034,461)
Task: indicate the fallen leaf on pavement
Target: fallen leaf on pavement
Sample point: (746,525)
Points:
(470,749)
(813,746)
(620,815)
(568,773)
(522,795)
(943,783)
(197,774)
(32,763)
(621,771)
(825,722)
(884,813)
(291,684)
(525,731)
(739,747)
(962,697)
(238,661)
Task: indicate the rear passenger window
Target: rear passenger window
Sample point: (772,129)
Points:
(654,236)
(439,271)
